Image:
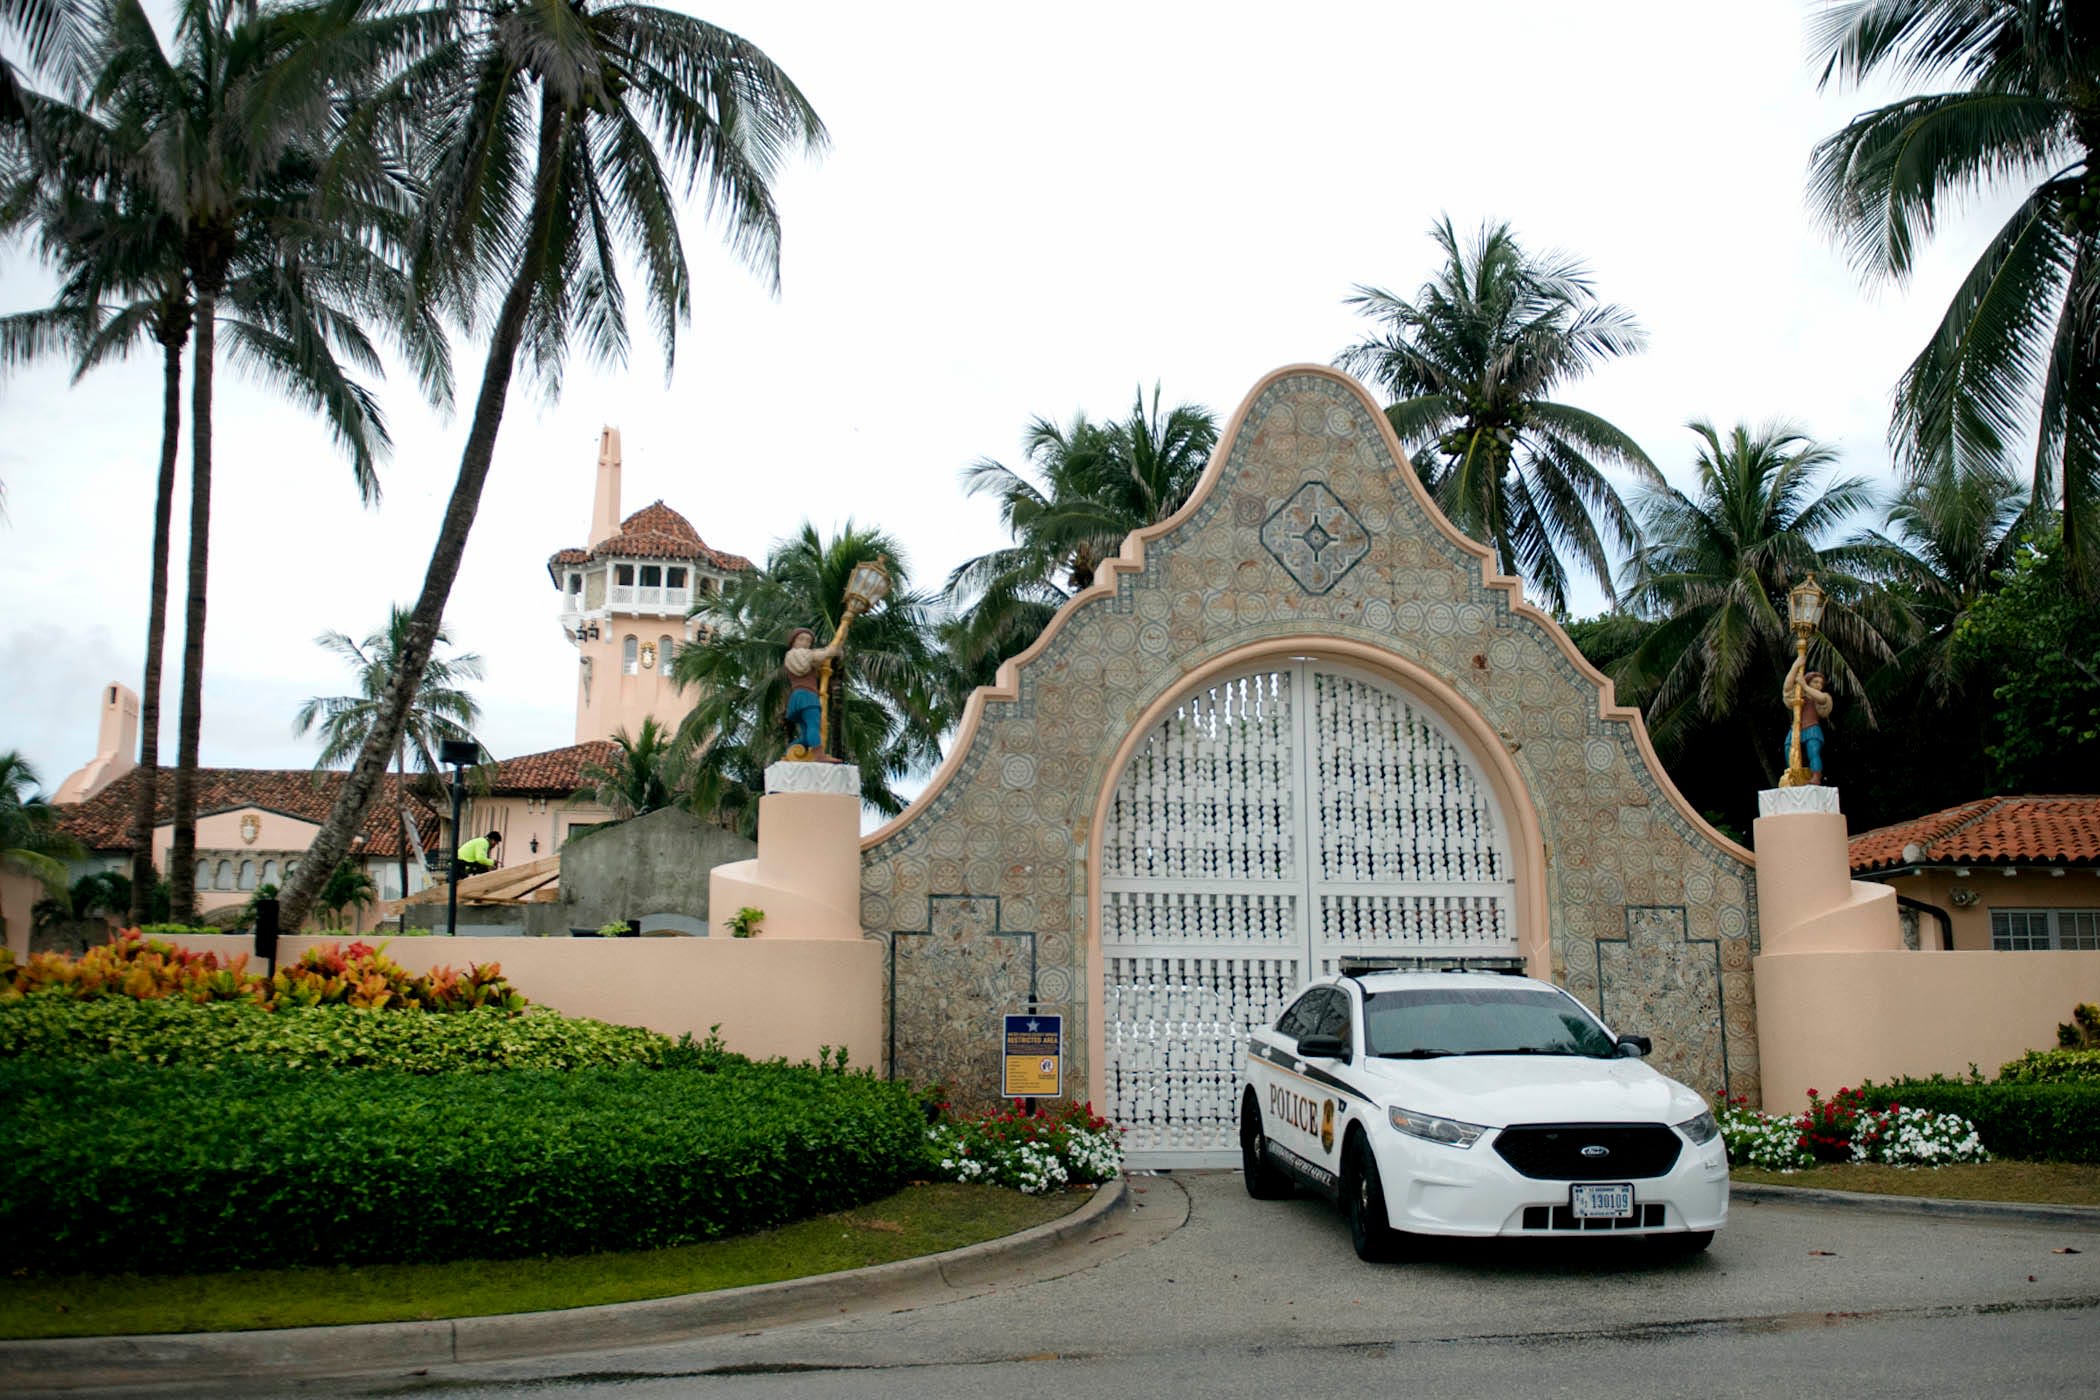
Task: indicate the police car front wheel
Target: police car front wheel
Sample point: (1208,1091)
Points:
(1363,1201)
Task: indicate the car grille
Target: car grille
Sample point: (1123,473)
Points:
(1553,1151)
(1644,1217)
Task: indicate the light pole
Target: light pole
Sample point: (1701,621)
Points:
(1804,612)
(867,585)
(460,754)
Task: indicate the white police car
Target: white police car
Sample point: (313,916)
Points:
(1472,1103)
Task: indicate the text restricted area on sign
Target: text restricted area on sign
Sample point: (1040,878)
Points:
(1034,1053)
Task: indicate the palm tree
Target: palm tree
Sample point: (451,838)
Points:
(887,693)
(607,96)
(347,887)
(647,774)
(1091,484)
(1713,579)
(1468,364)
(442,709)
(108,245)
(236,139)
(30,840)
(1949,540)
(2018,348)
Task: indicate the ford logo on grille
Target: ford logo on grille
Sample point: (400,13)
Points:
(1593,1150)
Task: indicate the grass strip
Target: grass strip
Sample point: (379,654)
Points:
(2032,1183)
(921,1219)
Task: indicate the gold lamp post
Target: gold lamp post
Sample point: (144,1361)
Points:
(867,585)
(1804,612)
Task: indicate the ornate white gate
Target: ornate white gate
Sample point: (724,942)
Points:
(1273,823)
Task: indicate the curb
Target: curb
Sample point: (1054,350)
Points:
(2087,1217)
(65,1363)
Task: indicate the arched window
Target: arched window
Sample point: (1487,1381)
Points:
(291,868)
(222,877)
(203,874)
(663,653)
(246,879)
(269,872)
(630,655)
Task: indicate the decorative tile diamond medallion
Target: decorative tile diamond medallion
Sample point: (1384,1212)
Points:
(1315,537)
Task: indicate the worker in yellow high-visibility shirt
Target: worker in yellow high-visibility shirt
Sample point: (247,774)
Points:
(478,856)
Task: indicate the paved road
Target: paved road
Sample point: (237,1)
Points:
(1260,1299)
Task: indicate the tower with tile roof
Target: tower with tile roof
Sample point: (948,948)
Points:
(624,600)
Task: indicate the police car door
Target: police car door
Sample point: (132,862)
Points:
(1300,1107)
(1323,1140)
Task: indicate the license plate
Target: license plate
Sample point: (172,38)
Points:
(1603,1200)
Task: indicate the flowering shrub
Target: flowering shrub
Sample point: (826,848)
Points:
(146,969)
(1066,1143)
(2052,1067)
(1843,1128)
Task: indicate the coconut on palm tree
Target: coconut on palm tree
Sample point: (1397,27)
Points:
(1469,364)
(555,138)
(2016,355)
(443,710)
(1712,579)
(1087,487)
(887,690)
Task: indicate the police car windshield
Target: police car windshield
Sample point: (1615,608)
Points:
(1428,1022)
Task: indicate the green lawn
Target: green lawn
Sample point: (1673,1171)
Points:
(2049,1183)
(918,1220)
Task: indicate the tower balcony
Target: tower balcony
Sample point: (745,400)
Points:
(659,601)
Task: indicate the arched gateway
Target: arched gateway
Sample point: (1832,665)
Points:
(1277,820)
(1301,718)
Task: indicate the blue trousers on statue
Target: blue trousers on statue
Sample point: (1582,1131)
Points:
(1811,748)
(805,716)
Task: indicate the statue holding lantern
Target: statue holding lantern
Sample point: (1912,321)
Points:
(812,729)
(1804,691)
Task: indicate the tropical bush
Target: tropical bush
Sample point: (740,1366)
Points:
(111,1166)
(1067,1143)
(2052,1067)
(2036,1122)
(359,975)
(1852,1125)
(173,1031)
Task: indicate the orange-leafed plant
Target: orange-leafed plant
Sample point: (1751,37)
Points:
(130,965)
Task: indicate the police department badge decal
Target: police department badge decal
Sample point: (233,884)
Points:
(1327,1126)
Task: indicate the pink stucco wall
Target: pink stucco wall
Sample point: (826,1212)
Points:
(771,997)
(1829,1020)
(2075,888)
(18,896)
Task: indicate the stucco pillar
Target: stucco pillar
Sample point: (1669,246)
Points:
(1807,900)
(1821,1011)
(807,875)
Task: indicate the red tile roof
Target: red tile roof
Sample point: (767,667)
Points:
(556,771)
(653,532)
(103,822)
(2049,830)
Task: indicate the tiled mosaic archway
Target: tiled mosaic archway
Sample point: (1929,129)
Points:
(1309,534)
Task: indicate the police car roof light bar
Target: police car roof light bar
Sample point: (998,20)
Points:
(1356,966)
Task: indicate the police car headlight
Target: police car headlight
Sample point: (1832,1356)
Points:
(1701,1130)
(1448,1131)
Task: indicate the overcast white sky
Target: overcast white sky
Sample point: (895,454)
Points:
(1025,210)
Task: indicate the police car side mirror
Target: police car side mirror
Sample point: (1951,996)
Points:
(1322,1047)
(1633,1047)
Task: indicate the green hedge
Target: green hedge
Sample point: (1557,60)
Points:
(2031,1122)
(2053,1067)
(170,1031)
(111,1166)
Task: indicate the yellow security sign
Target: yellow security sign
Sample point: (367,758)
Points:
(1034,1052)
